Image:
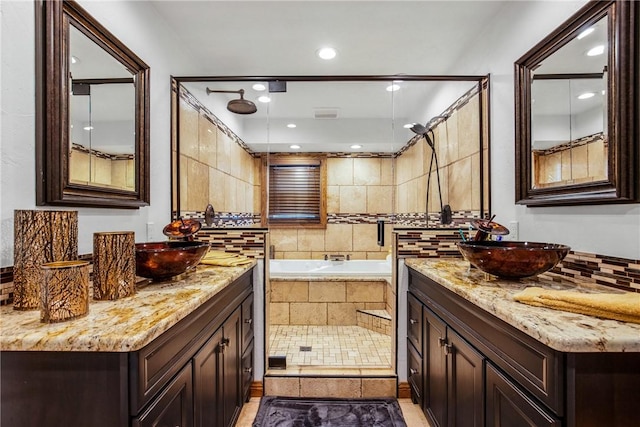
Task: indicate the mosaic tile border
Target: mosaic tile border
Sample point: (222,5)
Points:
(250,243)
(224,219)
(575,143)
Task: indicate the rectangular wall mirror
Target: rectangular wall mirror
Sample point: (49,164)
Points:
(577,111)
(93,113)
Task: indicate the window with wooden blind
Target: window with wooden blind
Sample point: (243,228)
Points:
(295,191)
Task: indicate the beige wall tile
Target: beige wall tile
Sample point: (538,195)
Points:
(379,387)
(597,160)
(286,291)
(230,193)
(327,292)
(306,313)
(338,237)
(452,139)
(341,314)
(284,239)
(365,292)
(310,239)
(217,190)
(580,162)
(333,199)
(379,199)
(280,386)
(460,188)
(223,152)
(387,167)
(198,190)
(188,130)
(366,171)
(184,181)
(353,199)
(207,141)
(377,255)
(468,125)
(297,255)
(340,171)
(330,387)
(365,237)
(278,313)
(475,181)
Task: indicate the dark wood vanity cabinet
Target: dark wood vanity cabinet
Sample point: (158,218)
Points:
(472,369)
(194,374)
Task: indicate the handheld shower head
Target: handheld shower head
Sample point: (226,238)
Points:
(238,106)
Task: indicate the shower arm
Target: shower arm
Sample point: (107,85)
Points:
(241,91)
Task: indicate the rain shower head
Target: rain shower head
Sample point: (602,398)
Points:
(238,106)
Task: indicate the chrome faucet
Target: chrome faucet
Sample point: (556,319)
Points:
(335,257)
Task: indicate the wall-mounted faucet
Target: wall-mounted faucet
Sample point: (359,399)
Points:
(336,257)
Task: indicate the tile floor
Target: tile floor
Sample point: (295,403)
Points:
(331,346)
(412,414)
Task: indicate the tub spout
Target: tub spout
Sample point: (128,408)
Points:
(335,257)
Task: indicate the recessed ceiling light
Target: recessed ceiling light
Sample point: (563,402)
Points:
(393,87)
(356,146)
(408,126)
(586,95)
(291,125)
(598,50)
(585,33)
(259,87)
(326,53)
(294,147)
(264,98)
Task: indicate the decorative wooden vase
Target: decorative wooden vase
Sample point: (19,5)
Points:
(64,292)
(40,237)
(114,265)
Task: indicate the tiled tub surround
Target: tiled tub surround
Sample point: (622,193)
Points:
(559,330)
(125,325)
(326,301)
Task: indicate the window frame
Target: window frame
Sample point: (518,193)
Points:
(274,160)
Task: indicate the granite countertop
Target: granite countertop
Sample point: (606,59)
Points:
(560,330)
(123,325)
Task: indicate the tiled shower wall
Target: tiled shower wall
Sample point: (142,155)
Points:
(359,191)
(215,165)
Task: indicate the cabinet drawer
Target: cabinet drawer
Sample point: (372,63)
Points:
(414,373)
(247,322)
(414,322)
(247,372)
(508,406)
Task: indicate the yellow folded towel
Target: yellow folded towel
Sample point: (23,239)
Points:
(624,307)
(224,259)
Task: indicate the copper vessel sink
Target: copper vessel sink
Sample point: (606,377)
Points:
(163,260)
(513,260)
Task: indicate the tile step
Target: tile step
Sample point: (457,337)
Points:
(374,320)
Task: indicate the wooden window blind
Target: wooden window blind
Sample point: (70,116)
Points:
(296,192)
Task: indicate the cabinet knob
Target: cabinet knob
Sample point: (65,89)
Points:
(448,349)
(248,370)
(413,321)
(249,321)
(413,371)
(442,341)
(224,342)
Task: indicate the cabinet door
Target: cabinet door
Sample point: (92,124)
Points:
(435,369)
(174,406)
(414,322)
(247,322)
(414,374)
(207,383)
(508,406)
(231,359)
(466,383)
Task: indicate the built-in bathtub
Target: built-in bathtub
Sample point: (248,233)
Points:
(321,268)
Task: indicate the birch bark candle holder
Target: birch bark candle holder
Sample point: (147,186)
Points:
(114,265)
(64,293)
(40,237)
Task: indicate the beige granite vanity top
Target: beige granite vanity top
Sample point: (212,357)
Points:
(127,324)
(560,330)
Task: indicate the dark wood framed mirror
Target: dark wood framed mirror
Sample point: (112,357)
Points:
(92,113)
(577,113)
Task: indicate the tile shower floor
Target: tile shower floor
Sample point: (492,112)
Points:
(330,346)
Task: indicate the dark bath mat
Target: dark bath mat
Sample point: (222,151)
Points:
(306,412)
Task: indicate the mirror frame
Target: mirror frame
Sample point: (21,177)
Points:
(53,187)
(622,184)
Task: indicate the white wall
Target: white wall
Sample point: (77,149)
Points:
(139,27)
(612,230)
